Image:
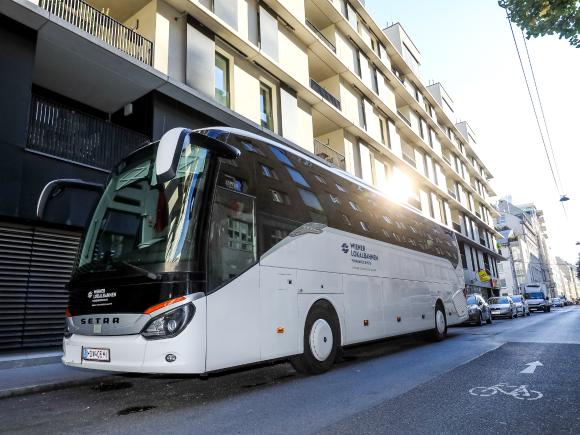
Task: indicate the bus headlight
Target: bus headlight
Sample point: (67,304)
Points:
(169,324)
(67,328)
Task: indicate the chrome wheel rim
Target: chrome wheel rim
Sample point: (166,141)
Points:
(321,340)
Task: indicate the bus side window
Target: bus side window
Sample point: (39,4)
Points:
(232,245)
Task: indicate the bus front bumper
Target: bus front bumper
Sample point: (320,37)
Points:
(133,353)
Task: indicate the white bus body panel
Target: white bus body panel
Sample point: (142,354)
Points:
(233,322)
(395,291)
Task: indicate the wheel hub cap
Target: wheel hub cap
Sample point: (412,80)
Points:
(321,340)
(440,322)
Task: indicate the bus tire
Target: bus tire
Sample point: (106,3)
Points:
(439,332)
(321,340)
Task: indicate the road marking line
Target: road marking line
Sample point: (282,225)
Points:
(531,367)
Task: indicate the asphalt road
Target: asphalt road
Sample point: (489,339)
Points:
(471,382)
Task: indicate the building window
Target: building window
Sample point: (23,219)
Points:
(462,252)
(354,206)
(320,178)
(269,172)
(340,187)
(334,199)
(280,197)
(266,114)
(346,220)
(364,226)
(222,80)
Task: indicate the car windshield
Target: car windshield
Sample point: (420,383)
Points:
(471,300)
(534,296)
(499,301)
(142,221)
(516,298)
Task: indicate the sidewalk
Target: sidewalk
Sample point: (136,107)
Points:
(40,372)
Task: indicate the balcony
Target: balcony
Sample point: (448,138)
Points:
(321,36)
(325,94)
(59,131)
(328,154)
(91,20)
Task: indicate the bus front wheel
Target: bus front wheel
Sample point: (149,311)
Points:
(321,341)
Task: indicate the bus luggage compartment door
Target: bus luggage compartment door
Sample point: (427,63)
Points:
(279,335)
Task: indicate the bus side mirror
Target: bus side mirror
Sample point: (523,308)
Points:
(173,142)
(56,187)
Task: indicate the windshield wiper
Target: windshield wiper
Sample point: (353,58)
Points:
(147,273)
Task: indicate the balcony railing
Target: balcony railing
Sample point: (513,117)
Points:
(404,118)
(328,154)
(321,36)
(409,159)
(60,131)
(91,20)
(325,94)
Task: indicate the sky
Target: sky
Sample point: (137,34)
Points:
(468,47)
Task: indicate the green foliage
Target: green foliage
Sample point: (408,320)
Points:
(546,17)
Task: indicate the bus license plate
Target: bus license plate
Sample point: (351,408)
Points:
(93,354)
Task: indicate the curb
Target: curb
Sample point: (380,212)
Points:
(27,361)
(43,388)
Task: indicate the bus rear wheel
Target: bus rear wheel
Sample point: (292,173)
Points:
(321,341)
(440,331)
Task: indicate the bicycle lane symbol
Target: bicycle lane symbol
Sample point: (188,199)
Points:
(519,392)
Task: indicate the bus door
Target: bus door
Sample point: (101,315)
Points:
(233,307)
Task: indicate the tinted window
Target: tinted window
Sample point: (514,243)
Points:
(297,177)
(281,155)
(310,199)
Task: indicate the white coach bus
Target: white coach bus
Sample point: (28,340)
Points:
(218,248)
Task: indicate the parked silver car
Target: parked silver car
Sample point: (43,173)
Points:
(478,310)
(521,305)
(557,302)
(502,306)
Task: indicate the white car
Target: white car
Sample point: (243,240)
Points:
(557,302)
(521,305)
(502,306)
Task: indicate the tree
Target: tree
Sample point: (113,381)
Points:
(546,17)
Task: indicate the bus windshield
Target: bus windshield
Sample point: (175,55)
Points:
(140,221)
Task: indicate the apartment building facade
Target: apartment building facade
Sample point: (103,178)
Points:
(524,246)
(86,82)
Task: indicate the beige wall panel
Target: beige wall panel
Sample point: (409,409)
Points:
(146,17)
(294,6)
(345,51)
(293,57)
(350,102)
(304,127)
(247,91)
(170,45)
(395,139)
(366,159)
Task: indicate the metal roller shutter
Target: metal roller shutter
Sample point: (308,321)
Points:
(35,266)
